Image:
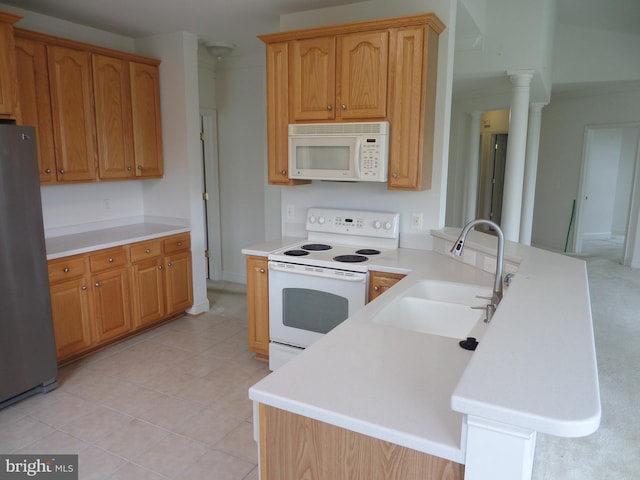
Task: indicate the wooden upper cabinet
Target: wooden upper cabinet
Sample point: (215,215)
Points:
(113,117)
(362,74)
(340,77)
(73,114)
(8,81)
(313,79)
(35,102)
(147,128)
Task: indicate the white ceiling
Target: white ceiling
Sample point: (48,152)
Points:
(240,21)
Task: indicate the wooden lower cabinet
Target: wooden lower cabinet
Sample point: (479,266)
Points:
(258,305)
(380,282)
(294,447)
(103,296)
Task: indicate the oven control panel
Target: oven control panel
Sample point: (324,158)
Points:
(353,222)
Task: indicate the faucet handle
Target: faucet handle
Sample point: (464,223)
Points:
(490,309)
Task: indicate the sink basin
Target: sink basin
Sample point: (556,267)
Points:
(436,308)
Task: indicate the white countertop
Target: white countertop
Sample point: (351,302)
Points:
(534,368)
(111,236)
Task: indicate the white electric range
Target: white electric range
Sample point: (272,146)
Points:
(316,284)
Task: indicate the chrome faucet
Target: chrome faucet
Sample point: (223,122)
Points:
(497,284)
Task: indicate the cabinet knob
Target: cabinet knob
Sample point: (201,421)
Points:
(148,250)
(394,175)
(283,172)
(344,107)
(159,267)
(65,269)
(83,287)
(329,107)
(62,170)
(179,244)
(48,170)
(262,270)
(169,264)
(140,167)
(376,288)
(111,260)
(129,169)
(97,284)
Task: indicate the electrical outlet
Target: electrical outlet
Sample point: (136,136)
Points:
(416,221)
(107,204)
(291,212)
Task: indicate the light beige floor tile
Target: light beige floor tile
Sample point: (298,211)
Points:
(191,342)
(62,410)
(218,466)
(253,475)
(96,424)
(168,412)
(240,443)
(97,464)
(56,443)
(172,455)
(19,434)
(133,402)
(130,471)
(131,439)
(96,387)
(210,425)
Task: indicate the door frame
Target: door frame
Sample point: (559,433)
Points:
(211,188)
(632,220)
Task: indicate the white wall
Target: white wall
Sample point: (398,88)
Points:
(561,151)
(367,196)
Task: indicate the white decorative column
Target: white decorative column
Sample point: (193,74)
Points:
(530,172)
(496,451)
(516,147)
(473,165)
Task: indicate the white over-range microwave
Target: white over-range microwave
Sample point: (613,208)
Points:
(349,152)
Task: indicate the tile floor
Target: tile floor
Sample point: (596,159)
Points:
(169,404)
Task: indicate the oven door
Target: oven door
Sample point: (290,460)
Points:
(306,302)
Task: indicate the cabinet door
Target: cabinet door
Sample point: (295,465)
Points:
(313,79)
(178,282)
(148,285)
(112,312)
(362,73)
(258,305)
(73,116)
(147,130)
(113,117)
(71,308)
(380,282)
(412,107)
(35,102)
(8,81)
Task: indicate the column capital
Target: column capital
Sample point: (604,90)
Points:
(537,106)
(520,77)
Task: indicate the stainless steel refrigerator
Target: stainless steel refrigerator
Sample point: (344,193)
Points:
(27,347)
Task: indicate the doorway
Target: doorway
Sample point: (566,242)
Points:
(491,187)
(611,164)
(211,196)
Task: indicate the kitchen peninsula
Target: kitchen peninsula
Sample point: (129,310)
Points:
(375,401)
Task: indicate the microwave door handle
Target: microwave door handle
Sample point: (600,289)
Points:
(357,159)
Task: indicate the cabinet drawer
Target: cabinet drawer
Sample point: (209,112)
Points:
(144,250)
(177,243)
(67,268)
(105,259)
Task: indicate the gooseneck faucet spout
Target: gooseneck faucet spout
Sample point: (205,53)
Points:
(459,245)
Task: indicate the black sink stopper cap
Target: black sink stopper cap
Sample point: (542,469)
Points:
(469,344)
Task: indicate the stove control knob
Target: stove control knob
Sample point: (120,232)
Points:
(387,225)
(312,219)
(321,220)
(377,224)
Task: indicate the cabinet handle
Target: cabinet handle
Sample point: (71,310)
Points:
(376,288)
(62,170)
(111,260)
(283,172)
(65,269)
(169,264)
(344,107)
(394,175)
(97,284)
(148,250)
(48,170)
(129,169)
(83,287)
(179,244)
(159,267)
(329,107)
(140,167)
(262,270)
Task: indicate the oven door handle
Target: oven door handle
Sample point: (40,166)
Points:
(333,274)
